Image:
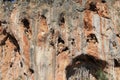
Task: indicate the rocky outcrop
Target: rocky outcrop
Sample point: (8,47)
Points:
(59,39)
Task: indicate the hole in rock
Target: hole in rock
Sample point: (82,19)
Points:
(21,64)
(118,35)
(26,23)
(61,19)
(11,64)
(73,41)
(51,43)
(60,40)
(116,63)
(65,49)
(0,23)
(92,6)
(92,37)
(103,1)
(88,62)
(4,22)
(31,70)
(25,74)
(42,16)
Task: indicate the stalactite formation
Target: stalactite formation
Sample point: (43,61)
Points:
(59,40)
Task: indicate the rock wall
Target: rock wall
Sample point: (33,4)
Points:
(59,40)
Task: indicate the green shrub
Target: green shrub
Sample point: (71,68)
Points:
(101,75)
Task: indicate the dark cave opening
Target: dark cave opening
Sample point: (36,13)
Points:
(60,40)
(92,6)
(61,19)
(65,49)
(31,70)
(11,64)
(91,37)
(26,23)
(21,64)
(118,35)
(88,62)
(116,63)
(43,16)
(103,1)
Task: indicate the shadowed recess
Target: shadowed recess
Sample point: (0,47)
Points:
(0,23)
(8,0)
(87,61)
(60,40)
(65,49)
(61,19)
(118,35)
(91,37)
(116,63)
(103,1)
(31,70)
(92,6)
(26,23)
(43,17)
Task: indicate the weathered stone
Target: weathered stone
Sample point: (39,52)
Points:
(59,39)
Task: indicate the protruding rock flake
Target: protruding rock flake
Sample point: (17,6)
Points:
(59,39)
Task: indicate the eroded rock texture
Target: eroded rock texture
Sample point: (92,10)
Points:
(59,40)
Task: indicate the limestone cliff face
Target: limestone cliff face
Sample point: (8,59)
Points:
(59,40)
